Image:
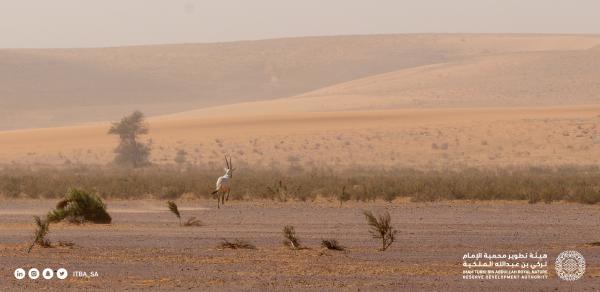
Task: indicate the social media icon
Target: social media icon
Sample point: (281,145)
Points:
(19,274)
(48,273)
(62,273)
(34,273)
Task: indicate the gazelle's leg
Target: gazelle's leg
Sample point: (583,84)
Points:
(218,200)
(228,191)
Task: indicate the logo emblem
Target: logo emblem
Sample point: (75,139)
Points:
(570,265)
(62,273)
(48,273)
(20,274)
(34,273)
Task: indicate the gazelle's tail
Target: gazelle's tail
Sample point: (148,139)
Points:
(214,192)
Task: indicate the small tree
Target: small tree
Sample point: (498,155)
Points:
(130,151)
(381,228)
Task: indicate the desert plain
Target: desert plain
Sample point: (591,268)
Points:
(144,248)
(420,101)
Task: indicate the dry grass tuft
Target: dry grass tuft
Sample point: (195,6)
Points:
(192,222)
(173,208)
(237,244)
(343,196)
(332,244)
(68,244)
(289,233)
(42,229)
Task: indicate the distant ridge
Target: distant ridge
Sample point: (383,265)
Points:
(44,88)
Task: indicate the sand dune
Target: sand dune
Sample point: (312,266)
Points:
(423,138)
(516,79)
(540,78)
(42,88)
(441,100)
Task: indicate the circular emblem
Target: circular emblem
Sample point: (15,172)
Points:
(19,274)
(570,265)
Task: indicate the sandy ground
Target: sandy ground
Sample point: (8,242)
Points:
(422,138)
(144,248)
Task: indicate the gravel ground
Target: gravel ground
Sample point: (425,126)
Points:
(144,248)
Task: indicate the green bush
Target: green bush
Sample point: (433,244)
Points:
(80,206)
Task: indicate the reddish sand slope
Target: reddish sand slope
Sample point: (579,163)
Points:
(42,88)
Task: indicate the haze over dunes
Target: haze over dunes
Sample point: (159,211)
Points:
(534,78)
(42,88)
(414,100)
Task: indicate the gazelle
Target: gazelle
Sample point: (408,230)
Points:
(223,184)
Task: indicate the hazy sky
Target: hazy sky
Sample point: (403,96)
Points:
(91,23)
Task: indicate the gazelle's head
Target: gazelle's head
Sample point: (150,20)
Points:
(229,169)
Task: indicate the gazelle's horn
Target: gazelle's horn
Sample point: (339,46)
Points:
(227,162)
(230,163)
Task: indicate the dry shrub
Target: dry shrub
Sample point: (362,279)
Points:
(289,233)
(42,229)
(332,244)
(237,244)
(173,208)
(192,222)
(343,196)
(535,184)
(381,228)
(68,244)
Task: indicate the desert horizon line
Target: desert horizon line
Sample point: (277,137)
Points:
(249,40)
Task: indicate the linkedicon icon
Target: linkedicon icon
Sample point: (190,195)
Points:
(47,273)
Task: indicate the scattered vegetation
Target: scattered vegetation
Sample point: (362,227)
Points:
(42,229)
(79,206)
(290,237)
(534,184)
(131,152)
(343,196)
(282,193)
(237,244)
(68,244)
(381,228)
(332,244)
(192,221)
(173,208)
